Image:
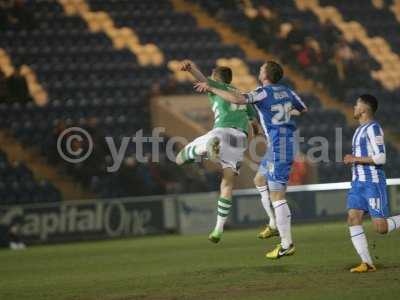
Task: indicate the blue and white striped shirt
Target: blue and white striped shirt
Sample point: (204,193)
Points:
(274,103)
(368,141)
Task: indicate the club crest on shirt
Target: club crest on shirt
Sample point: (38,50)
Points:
(379,140)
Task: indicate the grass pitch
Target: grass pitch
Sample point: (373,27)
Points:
(190,267)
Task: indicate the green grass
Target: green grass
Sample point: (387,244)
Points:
(189,267)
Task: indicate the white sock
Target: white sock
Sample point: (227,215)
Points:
(223,209)
(283,222)
(200,149)
(263,190)
(220,224)
(360,243)
(393,223)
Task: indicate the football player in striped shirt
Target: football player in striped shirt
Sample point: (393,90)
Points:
(368,188)
(275,104)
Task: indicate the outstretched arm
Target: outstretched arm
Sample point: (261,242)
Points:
(230,96)
(190,67)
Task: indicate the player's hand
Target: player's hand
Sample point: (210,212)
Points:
(348,159)
(294,112)
(256,128)
(186,65)
(201,87)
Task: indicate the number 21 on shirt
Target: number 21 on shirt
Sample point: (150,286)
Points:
(282,114)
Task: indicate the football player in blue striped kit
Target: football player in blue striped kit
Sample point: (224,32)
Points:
(275,104)
(368,188)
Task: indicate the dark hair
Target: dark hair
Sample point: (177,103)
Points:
(274,71)
(371,101)
(225,73)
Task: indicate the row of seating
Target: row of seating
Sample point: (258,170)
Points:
(288,11)
(17,184)
(177,36)
(95,85)
(378,22)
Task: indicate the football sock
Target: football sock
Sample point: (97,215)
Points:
(189,153)
(393,223)
(263,190)
(360,243)
(200,149)
(223,209)
(283,222)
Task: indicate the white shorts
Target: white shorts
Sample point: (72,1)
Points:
(233,144)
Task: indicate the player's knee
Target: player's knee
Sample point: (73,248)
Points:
(353,220)
(227,183)
(381,227)
(256,181)
(259,180)
(277,195)
(226,189)
(381,230)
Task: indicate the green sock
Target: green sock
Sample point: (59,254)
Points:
(188,154)
(223,209)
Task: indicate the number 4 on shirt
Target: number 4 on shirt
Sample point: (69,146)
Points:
(374,203)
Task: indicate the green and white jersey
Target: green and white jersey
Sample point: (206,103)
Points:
(226,114)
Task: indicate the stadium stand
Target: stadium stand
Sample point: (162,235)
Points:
(381,22)
(194,43)
(309,45)
(97,63)
(92,85)
(18,185)
(299,39)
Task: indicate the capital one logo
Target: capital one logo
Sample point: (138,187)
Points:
(10,215)
(114,219)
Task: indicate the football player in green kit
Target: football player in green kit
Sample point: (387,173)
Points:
(225,143)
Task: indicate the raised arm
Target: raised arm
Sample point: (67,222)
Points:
(190,67)
(230,96)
